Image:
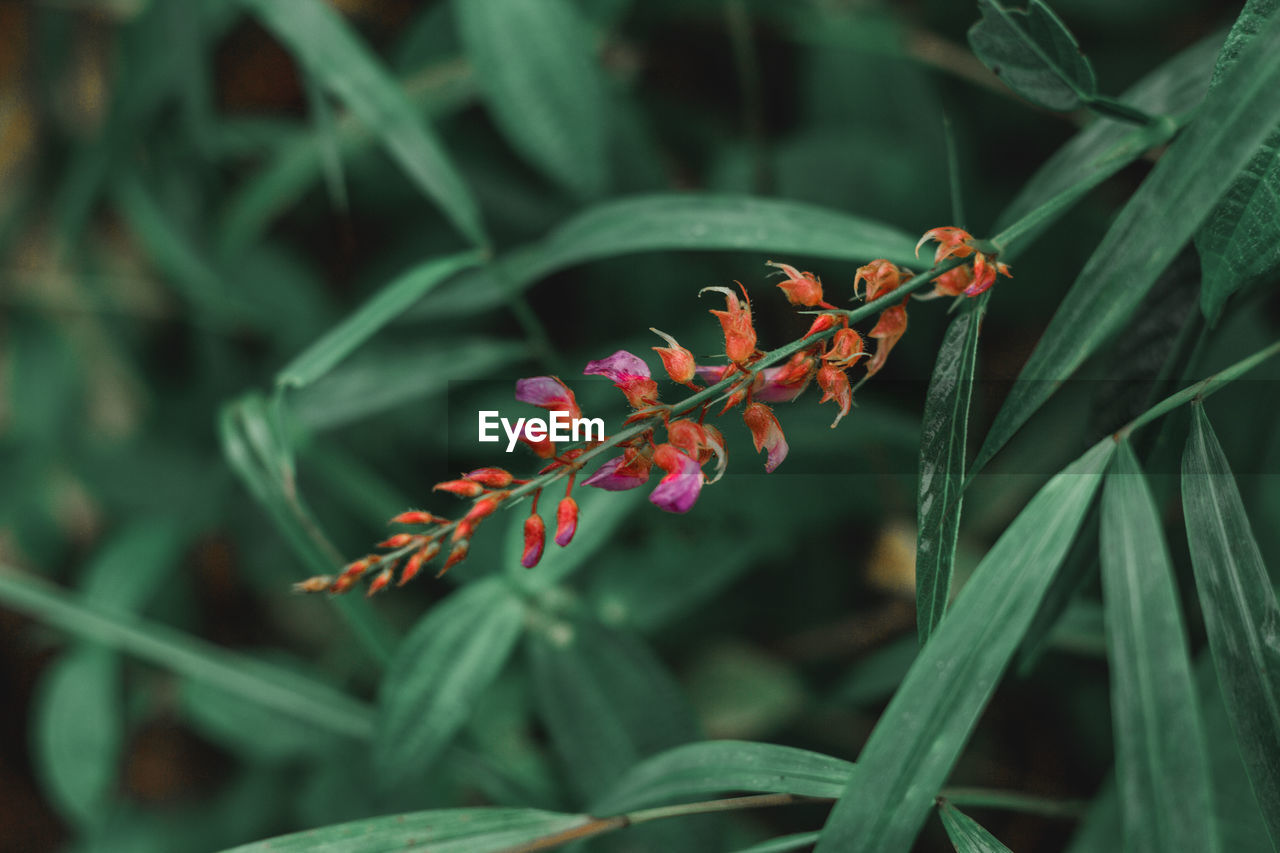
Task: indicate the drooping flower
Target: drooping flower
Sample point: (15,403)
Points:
(535,537)
(566,521)
(785,383)
(629,374)
(952,243)
(958,243)
(677,360)
(679,489)
(953,282)
(834,383)
(846,348)
(620,473)
(891,326)
(881,276)
(766,432)
(800,288)
(735,321)
(984,274)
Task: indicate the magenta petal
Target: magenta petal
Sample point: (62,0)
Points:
(532,554)
(770,391)
(545,391)
(710,373)
(678,491)
(777,448)
(618,366)
(607,478)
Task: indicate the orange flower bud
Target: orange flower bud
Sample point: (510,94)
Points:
(881,277)
(481,510)
(319,583)
(800,288)
(380,582)
(846,348)
(952,243)
(834,383)
(677,360)
(493,478)
(461,488)
(535,537)
(566,521)
(457,555)
(397,541)
(821,323)
(422,556)
(417,517)
(735,321)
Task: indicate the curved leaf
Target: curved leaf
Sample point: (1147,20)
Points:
(918,738)
(438,673)
(940,490)
(966,834)
(480,830)
(535,68)
(1161,761)
(1150,230)
(1034,54)
(1241,615)
(719,766)
(1240,241)
(334,55)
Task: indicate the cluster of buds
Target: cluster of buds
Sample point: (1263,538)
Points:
(676,438)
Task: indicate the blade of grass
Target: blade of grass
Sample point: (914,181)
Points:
(920,735)
(1150,230)
(1240,610)
(329,49)
(966,834)
(188,656)
(1161,761)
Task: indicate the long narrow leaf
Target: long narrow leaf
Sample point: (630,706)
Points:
(1151,229)
(966,834)
(1160,750)
(1240,610)
(337,58)
(921,734)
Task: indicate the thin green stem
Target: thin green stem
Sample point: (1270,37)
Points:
(953,172)
(1111,108)
(1014,801)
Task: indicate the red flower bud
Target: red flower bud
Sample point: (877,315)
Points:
(566,521)
(420,557)
(380,582)
(397,541)
(535,537)
(846,347)
(677,360)
(801,288)
(881,277)
(417,517)
(834,383)
(735,321)
(461,488)
(821,323)
(319,583)
(457,555)
(493,478)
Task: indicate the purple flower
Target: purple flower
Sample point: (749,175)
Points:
(549,393)
(621,473)
(619,367)
(678,491)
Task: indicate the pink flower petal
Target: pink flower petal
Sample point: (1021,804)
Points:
(618,366)
(768,390)
(607,477)
(545,391)
(711,373)
(678,490)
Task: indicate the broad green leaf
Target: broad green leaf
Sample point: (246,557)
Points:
(1034,54)
(1240,610)
(536,70)
(1240,241)
(966,834)
(78,731)
(282,690)
(717,767)
(254,450)
(1150,230)
(132,565)
(1160,751)
(920,735)
(600,514)
(679,222)
(360,325)
(449,658)
(326,46)
(940,490)
(480,830)
(1105,146)
(606,700)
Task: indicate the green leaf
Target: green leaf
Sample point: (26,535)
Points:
(1240,610)
(328,49)
(783,843)
(1161,762)
(78,732)
(1239,244)
(1150,230)
(680,222)
(449,658)
(363,323)
(480,830)
(940,490)
(698,770)
(535,67)
(606,700)
(918,738)
(967,834)
(188,656)
(1034,54)
(131,567)
(1104,147)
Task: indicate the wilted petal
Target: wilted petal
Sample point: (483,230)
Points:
(891,326)
(621,473)
(678,490)
(547,392)
(766,432)
(618,367)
